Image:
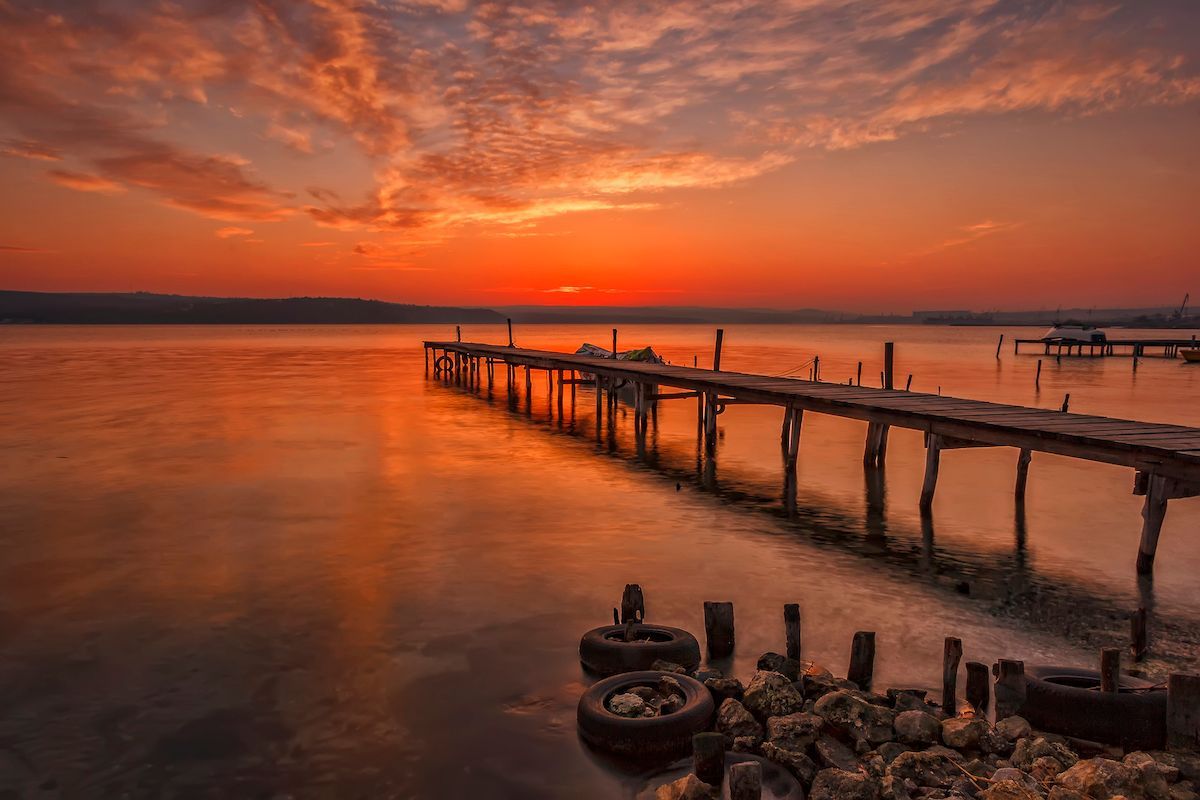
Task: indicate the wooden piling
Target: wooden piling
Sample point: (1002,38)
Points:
(792,453)
(510,339)
(717,350)
(1138,638)
(933,457)
(999,344)
(1183,711)
(708,757)
(1110,669)
(978,686)
(458,333)
(1023,460)
(1010,687)
(791,629)
(951,655)
(710,420)
(745,781)
(1037,377)
(889,358)
(858,380)
(614,350)
(1154,511)
(718,628)
(862,660)
(633,603)
(1066,403)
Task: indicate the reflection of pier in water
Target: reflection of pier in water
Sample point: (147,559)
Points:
(1006,582)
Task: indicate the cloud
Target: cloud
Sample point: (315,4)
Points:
(497,116)
(232,231)
(12,248)
(969,233)
(84,182)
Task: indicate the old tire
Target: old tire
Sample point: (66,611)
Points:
(604,650)
(1068,701)
(664,737)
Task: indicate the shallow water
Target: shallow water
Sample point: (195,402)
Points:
(282,560)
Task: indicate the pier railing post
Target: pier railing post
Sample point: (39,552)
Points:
(717,350)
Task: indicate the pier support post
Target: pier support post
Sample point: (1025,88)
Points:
(794,417)
(933,457)
(951,655)
(791,630)
(1154,511)
(528,382)
(710,421)
(876,449)
(1022,473)
(978,686)
(862,660)
(718,628)
(1183,711)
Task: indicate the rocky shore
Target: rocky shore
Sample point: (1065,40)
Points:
(843,743)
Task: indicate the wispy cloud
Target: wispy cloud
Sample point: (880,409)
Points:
(13,248)
(232,232)
(84,182)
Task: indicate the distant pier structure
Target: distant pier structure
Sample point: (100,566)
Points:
(1165,458)
(1137,348)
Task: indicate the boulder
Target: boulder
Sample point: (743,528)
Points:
(963,733)
(668,666)
(722,688)
(627,705)
(794,731)
(889,750)
(917,727)
(1030,749)
(1154,778)
(993,742)
(1100,778)
(930,769)
(1013,728)
(1009,790)
(911,700)
(795,761)
(734,720)
(838,784)
(855,717)
(689,787)
(1139,759)
(1188,764)
(834,754)
(774,662)
(1046,768)
(771,694)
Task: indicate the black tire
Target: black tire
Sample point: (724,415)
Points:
(604,650)
(1068,701)
(668,736)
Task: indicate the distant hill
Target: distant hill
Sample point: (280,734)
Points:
(138,308)
(679,315)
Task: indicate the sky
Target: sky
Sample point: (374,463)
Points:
(864,155)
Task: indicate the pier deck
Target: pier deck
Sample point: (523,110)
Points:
(1137,348)
(1166,457)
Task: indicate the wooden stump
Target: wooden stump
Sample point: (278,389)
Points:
(978,686)
(791,629)
(708,757)
(1138,636)
(718,628)
(1010,687)
(1183,711)
(745,781)
(951,655)
(1110,669)
(633,604)
(862,660)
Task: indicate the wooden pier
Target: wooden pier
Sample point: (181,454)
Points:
(1137,348)
(1165,458)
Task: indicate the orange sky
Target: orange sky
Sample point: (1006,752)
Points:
(859,154)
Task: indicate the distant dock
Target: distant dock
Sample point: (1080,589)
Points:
(1165,458)
(1136,348)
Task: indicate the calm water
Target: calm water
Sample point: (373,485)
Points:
(281,561)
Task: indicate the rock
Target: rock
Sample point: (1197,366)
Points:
(795,731)
(917,727)
(889,750)
(837,784)
(1183,791)
(796,762)
(1013,728)
(668,666)
(1029,750)
(627,705)
(1046,768)
(834,754)
(704,674)
(856,717)
(911,700)
(993,742)
(1063,793)
(746,744)
(1100,778)
(771,694)
(1014,774)
(930,769)
(668,686)
(1009,790)
(963,787)
(722,688)
(963,733)
(689,787)
(774,662)
(1188,764)
(734,720)
(1151,776)
(670,704)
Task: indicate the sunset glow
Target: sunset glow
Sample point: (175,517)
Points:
(814,153)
